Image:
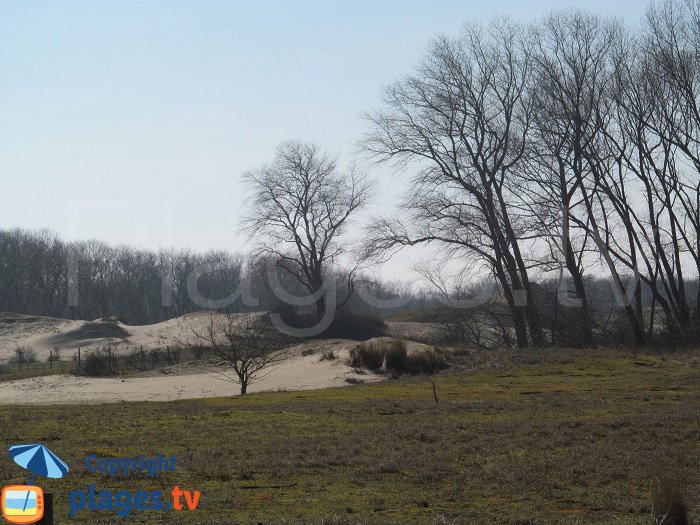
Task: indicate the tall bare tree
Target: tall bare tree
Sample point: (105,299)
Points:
(300,207)
(462,122)
(571,56)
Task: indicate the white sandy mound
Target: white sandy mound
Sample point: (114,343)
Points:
(306,370)
(44,334)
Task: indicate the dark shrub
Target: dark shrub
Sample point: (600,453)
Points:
(426,362)
(100,363)
(368,355)
(345,325)
(348,325)
(155,356)
(396,355)
(24,355)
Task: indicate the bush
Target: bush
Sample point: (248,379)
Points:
(348,325)
(668,500)
(155,356)
(345,325)
(396,355)
(100,363)
(369,355)
(426,362)
(23,356)
(394,352)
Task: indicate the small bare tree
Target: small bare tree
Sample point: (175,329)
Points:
(24,355)
(300,206)
(248,346)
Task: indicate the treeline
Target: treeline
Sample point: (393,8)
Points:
(557,150)
(41,274)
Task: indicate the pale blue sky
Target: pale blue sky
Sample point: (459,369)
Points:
(131,122)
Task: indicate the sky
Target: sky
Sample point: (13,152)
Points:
(132,121)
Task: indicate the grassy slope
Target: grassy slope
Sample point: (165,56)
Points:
(570,440)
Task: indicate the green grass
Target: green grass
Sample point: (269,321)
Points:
(562,438)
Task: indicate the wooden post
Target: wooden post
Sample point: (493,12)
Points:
(78,358)
(48,510)
(50,358)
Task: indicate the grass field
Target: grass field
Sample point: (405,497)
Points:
(571,437)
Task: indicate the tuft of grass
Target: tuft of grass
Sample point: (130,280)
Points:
(669,499)
(369,355)
(328,355)
(393,354)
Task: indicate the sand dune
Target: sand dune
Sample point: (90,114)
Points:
(47,333)
(304,370)
(301,372)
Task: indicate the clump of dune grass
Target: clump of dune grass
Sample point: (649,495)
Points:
(393,356)
(368,355)
(328,355)
(396,355)
(429,362)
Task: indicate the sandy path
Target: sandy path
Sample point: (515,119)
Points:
(299,373)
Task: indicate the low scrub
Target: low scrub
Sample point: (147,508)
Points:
(393,356)
(100,363)
(345,325)
(108,362)
(24,355)
(426,362)
(368,355)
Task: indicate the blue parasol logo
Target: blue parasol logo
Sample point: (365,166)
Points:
(39,461)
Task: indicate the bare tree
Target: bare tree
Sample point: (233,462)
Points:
(462,122)
(247,345)
(24,355)
(571,56)
(301,204)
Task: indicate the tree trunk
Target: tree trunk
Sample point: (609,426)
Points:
(580,288)
(515,311)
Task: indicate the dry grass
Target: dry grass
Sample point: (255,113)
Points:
(392,355)
(556,437)
(668,496)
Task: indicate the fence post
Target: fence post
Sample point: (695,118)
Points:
(78,358)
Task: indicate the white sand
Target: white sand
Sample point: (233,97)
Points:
(44,334)
(298,373)
(304,371)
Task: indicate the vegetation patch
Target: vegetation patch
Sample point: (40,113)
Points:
(583,447)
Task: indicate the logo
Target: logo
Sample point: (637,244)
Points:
(25,503)
(22,503)
(124,502)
